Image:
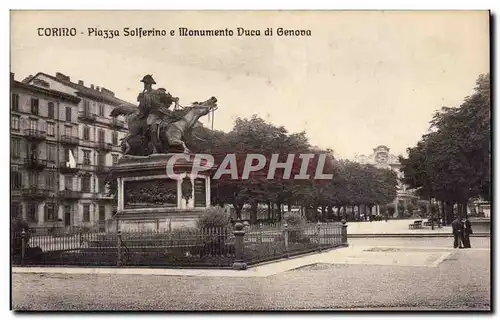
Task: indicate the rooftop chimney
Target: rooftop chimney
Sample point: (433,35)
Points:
(26,80)
(80,82)
(108,92)
(92,86)
(62,76)
(97,88)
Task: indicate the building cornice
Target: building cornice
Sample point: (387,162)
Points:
(48,92)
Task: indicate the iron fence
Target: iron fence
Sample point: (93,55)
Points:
(188,247)
(276,241)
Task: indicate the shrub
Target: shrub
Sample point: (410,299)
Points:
(295,220)
(214,217)
(296,224)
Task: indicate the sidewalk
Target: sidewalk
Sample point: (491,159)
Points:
(358,254)
(398,228)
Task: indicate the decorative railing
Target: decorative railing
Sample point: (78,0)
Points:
(87,116)
(34,163)
(35,135)
(69,140)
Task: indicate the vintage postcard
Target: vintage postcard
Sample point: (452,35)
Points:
(250,160)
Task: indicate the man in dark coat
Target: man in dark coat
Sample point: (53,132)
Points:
(457,229)
(467,232)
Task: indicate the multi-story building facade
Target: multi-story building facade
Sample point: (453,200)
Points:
(382,158)
(63,145)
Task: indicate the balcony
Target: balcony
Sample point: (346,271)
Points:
(70,194)
(85,167)
(35,135)
(65,168)
(119,124)
(69,140)
(105,146)
(35,164)
(101,169)
(104,196)
(35,192)
(86,116)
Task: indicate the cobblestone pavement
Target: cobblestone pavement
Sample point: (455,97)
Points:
(461,281)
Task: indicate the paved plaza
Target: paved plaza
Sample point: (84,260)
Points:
(420,273)
(399,227)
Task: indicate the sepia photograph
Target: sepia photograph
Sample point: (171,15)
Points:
(278,160)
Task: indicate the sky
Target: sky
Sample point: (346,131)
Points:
(362,79)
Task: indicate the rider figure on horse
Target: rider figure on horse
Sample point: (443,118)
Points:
(154,108)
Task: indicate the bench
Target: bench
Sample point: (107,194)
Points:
(417,224)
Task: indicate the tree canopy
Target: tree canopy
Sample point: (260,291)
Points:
(452,163)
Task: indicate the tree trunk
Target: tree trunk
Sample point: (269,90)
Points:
(443,215)
(237,209)
(329,212)
(269,210)
(253,212)
(323,211)
(278,205)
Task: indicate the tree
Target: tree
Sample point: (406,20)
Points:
(453,162)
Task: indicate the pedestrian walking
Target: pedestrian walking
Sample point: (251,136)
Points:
(467,232)
(457,229)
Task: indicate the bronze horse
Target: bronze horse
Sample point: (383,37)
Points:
(170,135)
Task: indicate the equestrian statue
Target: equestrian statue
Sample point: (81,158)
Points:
(153,127)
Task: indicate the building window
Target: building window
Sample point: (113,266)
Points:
(67,215)
(115,138)
(67,131)
(101,136)
(101,109)
(51,129)
(34,106)
(15,148)
(86,107)
(101,185)
(68,182)
(50,110)
(14,122)
(33,179)
(86,183)
(115,159)
(86,212)
(33,124)
(86,157)
(101,159)
(15,210)
(66,154)
(51,180)
(15,102)
(102,213)
(86,133)
(51,152)
(31,212)
(68,114)
(50,212)
(16,178)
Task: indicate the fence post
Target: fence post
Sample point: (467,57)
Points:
(286,239)
(23,246)
(344,232)
(119,248)
(239,247)
(318,230)
(259,234)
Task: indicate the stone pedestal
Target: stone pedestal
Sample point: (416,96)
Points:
(149,199)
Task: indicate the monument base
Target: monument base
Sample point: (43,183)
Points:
(149,199)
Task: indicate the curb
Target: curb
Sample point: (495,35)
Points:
(413,235)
